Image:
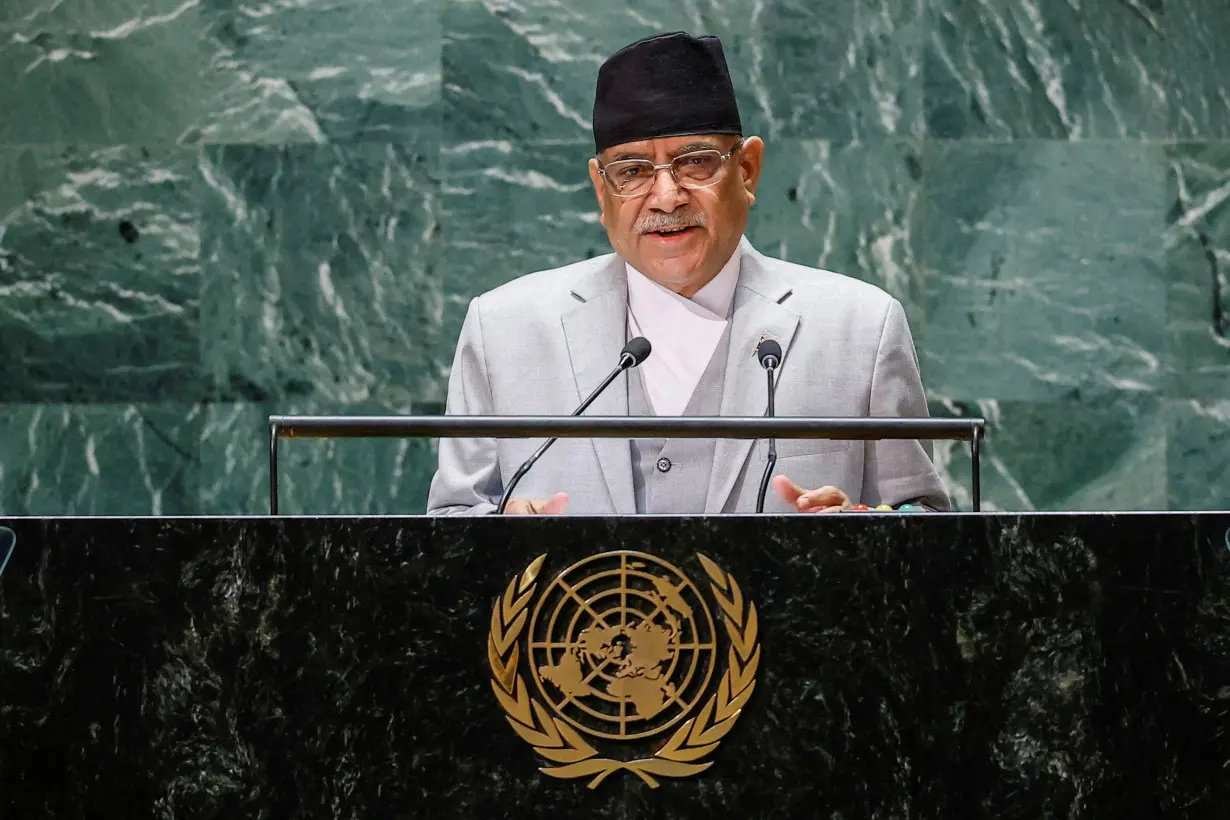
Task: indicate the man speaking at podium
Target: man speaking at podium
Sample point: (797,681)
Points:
(675,178)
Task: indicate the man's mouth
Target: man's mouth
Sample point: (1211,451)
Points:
(673,231)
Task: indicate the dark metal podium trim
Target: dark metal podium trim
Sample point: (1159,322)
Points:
(736,427)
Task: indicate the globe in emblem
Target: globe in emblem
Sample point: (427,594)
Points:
(622,645)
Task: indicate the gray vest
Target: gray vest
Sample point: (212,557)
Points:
(672,475)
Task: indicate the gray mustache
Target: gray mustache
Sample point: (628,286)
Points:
(669,222)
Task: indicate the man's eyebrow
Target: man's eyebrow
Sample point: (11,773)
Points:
(630,155)
(704,145)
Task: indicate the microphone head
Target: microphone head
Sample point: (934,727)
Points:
(638,349)
(769,349)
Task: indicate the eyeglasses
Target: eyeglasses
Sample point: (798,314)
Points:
(695,169)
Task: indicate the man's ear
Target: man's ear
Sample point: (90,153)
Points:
(599,183)
(751,159)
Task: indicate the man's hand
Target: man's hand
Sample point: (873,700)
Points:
(825,499)
(555,505)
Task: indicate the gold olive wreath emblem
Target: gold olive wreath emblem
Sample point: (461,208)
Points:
(623,652)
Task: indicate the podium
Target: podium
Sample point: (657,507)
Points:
(899,665)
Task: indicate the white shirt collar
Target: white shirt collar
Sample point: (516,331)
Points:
(713,301)
(684,333)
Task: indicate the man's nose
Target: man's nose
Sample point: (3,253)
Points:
(666,195)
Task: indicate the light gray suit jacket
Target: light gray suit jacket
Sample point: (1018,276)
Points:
(541,343)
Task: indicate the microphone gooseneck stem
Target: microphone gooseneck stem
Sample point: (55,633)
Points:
(521,471)
(625,361)
(771,460)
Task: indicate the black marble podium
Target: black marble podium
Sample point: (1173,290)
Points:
(926,666)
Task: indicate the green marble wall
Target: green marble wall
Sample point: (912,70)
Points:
(213,210)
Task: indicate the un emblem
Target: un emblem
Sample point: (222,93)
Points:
(622,646)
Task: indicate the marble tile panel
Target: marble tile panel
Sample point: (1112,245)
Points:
(526,71)
(321,70)
(315,476)
(1198,456)
(845,208)
(1103,453)
(827,70)
(831,69)
(99,274)
(1043,269)
(1198,270)
(510,209)
(319,277)
(1077,69)
(99,459)
(76,71)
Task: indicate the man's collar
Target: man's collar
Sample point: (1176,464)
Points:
(714,298)
(610,272)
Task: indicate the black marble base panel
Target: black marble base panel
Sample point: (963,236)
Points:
(937,666)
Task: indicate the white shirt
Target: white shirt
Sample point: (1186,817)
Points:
(683,332)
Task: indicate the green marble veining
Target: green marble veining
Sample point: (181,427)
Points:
(1196,454)
(315,476)
(844,207)
(1078,69)
(832,69)
(801,68)
(289,71)
(509,209)
(99,274)
(1107,452)
(318,273)
(1197,242)
(1044,272)
(99,73)
(214,210)
(99,459)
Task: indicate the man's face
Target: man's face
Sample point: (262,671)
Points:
(677,236)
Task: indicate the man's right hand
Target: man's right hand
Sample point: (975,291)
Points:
(555,505)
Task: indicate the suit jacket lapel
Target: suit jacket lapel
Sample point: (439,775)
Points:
(595,332)
(757,314)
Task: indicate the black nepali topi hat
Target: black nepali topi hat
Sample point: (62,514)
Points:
(668,85)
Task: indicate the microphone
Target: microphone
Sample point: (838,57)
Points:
(8,542)
(769,353)
(634,352)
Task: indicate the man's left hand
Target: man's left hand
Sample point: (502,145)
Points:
(825,499)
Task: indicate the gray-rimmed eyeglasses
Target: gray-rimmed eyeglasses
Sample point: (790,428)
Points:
(695,169)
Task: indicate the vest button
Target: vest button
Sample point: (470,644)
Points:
(664,465)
